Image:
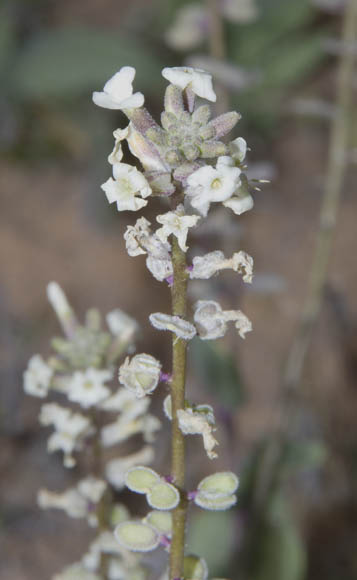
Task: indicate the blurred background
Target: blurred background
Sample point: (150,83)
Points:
(296,455)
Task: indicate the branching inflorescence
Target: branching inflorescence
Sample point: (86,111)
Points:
(189,167)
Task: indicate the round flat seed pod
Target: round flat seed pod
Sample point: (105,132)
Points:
(137,536)
(163,496)
(195,568)
(141,479)
(219,484)
(215,503)
(161,521)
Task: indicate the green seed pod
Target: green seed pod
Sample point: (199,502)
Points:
(163,496)
(141,479)
(137,536)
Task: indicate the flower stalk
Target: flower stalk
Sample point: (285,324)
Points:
(179,352)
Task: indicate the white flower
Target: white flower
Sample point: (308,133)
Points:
(123,428)
(87,388)
(70,430)
(208,184)
(127,403)
(211,320)
(121,325)
(76,502)
(182,328)
(71,502)
(118,91)
(206,266)
(141,374)
(117,154)
(92,488)
(140,240)
(176,223)
(37,377)
(193,422)
(238,149)
(240,204)
(116,468)
(189,29)
(198,80)
(127,185)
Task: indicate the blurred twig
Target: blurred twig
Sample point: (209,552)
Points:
(218,49)
(330,204)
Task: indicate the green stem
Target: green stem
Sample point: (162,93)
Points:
(330,204)
(179,349)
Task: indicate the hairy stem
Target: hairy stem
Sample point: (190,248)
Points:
(179,348)
(330,204)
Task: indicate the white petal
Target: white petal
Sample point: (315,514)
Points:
(105,101)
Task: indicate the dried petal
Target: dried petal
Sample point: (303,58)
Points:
(182,328)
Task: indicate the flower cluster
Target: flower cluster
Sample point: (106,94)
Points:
(193,21)
(185,162)
(81,371)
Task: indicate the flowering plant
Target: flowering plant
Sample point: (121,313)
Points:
(186,164)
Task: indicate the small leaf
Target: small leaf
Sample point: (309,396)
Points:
(141,479)
(137,536)
(163,496)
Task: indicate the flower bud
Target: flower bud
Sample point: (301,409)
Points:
(140,375)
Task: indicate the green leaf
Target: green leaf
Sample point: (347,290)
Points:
(277,551)
(218,371)
(212,535)
(70,61)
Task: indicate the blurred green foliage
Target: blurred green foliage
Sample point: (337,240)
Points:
(216,368)
(212,536)
(72,61)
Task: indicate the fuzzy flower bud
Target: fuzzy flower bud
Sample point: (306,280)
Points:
(141,374)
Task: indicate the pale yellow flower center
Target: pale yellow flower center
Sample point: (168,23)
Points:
(216,183)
